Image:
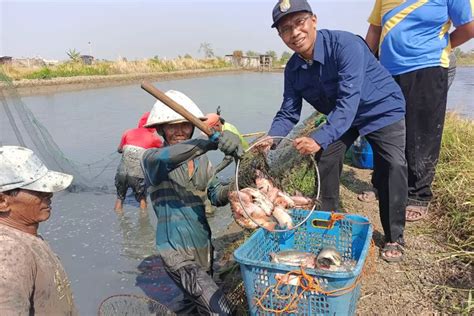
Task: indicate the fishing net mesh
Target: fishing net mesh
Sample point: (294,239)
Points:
(291,172)
(131,305)
(21,127)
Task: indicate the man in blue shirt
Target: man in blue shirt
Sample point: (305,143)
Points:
(337,74)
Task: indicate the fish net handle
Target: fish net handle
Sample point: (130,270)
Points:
(237,169)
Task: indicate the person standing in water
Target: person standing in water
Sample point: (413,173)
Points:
(129,172)
(181,179)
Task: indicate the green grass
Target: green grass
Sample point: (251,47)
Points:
(104,68)
(465,60)
(453,187)
(70,70)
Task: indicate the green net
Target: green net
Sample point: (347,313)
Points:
(19,126)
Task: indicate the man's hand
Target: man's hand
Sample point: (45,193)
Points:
(230,144)
(264,144)
(306,145)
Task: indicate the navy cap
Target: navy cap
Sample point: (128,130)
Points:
(285,7)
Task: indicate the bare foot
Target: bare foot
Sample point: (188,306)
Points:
(143,204)
(392,252)
(415,213)
(367,196)
(118,205)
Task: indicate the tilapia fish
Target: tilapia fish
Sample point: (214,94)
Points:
(267,205)
(328,258)
(294,258)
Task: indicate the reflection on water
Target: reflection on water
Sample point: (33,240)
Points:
(139,243)
(104,253)
(156,284)
(138,239)
(460,94)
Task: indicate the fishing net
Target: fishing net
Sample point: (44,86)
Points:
(132,305)
(21,127)
(286,173)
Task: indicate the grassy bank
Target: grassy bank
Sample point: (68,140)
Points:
(104,68)
(454,187)
(465,59)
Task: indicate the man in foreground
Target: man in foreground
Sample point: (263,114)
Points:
(181,180)
(336,73)
(32,279)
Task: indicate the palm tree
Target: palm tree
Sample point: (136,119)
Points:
(74,55)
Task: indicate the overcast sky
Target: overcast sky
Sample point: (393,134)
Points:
(138,29)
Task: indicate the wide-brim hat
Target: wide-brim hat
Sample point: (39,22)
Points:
(22,169)
(161,114)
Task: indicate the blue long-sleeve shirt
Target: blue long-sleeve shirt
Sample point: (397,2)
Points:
(344,81)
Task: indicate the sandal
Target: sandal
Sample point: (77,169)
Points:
(415,213)
(392,247)
(367,196)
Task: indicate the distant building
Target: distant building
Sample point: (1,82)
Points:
(28,62)
(87,59)
(265,62)
(5,60)
(51,62)
(243,61)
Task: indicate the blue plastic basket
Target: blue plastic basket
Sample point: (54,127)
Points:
(350,236)
(362,155)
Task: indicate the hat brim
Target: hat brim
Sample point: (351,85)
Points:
(155,125)
(51,182)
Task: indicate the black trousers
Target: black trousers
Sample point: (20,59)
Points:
(388,145)
(202,295)
(425,92)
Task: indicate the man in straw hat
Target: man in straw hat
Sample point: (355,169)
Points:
(181,179)
(337,74)
(32,279)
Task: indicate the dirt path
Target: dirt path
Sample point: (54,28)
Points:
(420,285)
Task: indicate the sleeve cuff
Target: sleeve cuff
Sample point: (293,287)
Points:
(321,138)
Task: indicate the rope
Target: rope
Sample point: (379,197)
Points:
(254,134)
(306,282)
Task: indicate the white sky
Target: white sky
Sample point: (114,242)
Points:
(144,28)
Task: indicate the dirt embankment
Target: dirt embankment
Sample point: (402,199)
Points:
(45,86)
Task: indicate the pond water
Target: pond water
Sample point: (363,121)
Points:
(105,253)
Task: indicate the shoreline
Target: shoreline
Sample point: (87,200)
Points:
(27,87)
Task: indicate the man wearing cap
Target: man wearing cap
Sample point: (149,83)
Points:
(32,279)
(337,74)
(181,179)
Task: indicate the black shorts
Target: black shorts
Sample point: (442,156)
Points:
(124,181)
